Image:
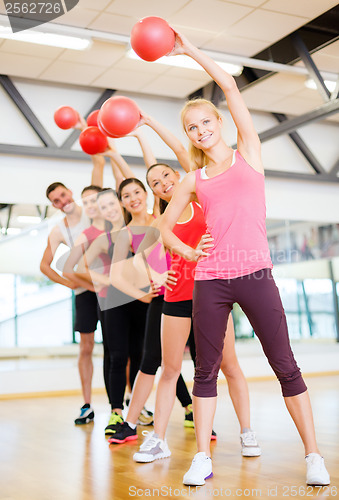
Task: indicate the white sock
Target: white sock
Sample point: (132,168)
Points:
(132,426)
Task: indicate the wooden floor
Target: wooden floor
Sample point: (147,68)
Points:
(43,456)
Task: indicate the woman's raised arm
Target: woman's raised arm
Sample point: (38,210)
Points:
(248,140)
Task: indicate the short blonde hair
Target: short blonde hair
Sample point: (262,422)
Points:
(197,156)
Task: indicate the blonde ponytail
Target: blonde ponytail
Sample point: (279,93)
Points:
(197,157)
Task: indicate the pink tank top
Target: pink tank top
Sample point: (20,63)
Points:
(234,207)
(91,234)
(158,260)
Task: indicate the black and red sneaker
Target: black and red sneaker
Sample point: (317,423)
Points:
(124,434)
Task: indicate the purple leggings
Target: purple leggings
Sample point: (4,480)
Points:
(258,296)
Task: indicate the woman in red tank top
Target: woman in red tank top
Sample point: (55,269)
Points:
(177,310)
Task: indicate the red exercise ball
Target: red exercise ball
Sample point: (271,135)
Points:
(92,119)
(66,117)
(119,116)
(103,130)
(93,141)
(151,38)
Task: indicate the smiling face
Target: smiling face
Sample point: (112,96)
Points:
(62,199)
(133,198)
(109,207)
(202,126)
(163,181)
(89,202)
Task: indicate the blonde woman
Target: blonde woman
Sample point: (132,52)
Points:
(177,312)
(230,186)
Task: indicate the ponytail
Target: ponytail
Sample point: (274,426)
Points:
(197,157)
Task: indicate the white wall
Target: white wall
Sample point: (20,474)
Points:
(315,269)
(24,180)
(302,201)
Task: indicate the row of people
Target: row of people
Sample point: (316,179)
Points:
(102,209)
(231,263)
(135,194)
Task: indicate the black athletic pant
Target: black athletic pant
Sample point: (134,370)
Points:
(151,358)
(101,314)
(124,328)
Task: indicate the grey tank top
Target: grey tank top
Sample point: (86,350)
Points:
(71,233)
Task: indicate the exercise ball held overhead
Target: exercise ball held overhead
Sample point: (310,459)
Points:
(66,117)
(103,130)
(92,118)
(118,116)
(151,38)
(93,141)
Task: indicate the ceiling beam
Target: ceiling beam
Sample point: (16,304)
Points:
(311,66)
(317,34)
(24,108)
(41,152)
(10,208)
(282,56)
(335,93)
(324,111)
(302,146)
(217,94)
(288,126)
(65,154)
(278,174)
(137,160)
(268,64)
(335,169)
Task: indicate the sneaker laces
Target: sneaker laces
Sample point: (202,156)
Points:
(249,439)
(150,441)
(198,460)
(115,418)
(314,460)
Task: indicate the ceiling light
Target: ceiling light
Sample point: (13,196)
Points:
(11,231)
(310,84)
(250,62)
(186,62)
(42,38)
(28,219)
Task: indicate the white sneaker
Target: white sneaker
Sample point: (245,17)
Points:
(151,449)
(316,474)
(249,445)
(200,470)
